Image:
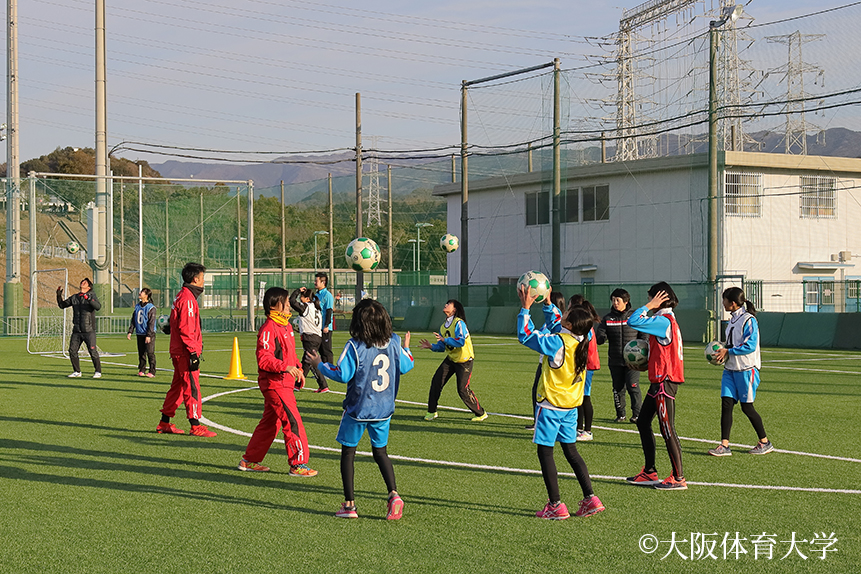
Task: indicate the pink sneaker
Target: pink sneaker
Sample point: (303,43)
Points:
(589,506)
(553,512)
(395,507)
(141,374)
(346,511)
(150,375)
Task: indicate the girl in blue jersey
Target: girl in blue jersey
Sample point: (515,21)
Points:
(585,412)
(559,393)
(454,340)
(552,324)
(371,365)
(143,325)
(740,379)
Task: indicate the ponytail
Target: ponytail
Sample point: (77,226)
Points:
(736,295)
(581,323)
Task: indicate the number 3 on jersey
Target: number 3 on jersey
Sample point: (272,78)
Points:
(382,383)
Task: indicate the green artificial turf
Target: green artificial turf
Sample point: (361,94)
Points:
(88,486)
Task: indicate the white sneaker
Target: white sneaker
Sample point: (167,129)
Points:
(75,375)
(95,375)
(583,435)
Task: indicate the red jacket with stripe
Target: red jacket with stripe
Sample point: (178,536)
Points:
(276,352)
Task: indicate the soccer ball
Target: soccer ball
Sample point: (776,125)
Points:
(636,354)
(449,243)
(163,324)
(537,283)
(711,352)
(363,254)
(73,247)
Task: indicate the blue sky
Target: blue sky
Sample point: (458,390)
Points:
(281,75)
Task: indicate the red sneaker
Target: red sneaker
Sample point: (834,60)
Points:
(168,428)
(645,478)
(252,466)
(395,507)
(589,506)
(553,512)
(672,483)
(201,430)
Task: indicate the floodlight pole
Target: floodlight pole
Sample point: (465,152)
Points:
(360,280)
(249,243)
(464,197)
(391,244)
(101,269)
(556,239)
(331,283)
(13,289)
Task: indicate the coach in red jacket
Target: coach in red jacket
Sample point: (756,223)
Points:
(186,346)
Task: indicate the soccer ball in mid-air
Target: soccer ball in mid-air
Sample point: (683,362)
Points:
(537,283)
(636,354)
(73,247)
(363,254)
(163,324)
(711,352)
(449,243)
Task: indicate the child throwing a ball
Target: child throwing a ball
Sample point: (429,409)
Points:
(560,392)
(740,379)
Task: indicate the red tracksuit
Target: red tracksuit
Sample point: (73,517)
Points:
(185,338)
(276,352)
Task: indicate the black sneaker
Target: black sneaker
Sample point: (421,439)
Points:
(620,419)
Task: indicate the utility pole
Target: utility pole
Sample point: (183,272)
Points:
(360,279)
(101,271)
(283,241)
(13,289)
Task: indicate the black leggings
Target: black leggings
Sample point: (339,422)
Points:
(146,352)
(463,372)
(348,457)
(727,404)
(626,379)
(665,407)
(75,342)
(551,478)
(585,412)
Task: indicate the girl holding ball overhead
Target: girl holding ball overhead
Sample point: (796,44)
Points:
(740,379)
(454,340)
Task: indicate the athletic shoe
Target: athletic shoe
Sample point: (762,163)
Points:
(478,418)
(530,427)
(141,374)
(75,375)
(670,483)
(556,511)
(302,470)
(720,450)
(395,507)
(97,375)
(620,419)
(346,511)
(589,506)
(150,375)
(634,419)
(252,466)
(644,478)
(168,428)
(201,430)
(323,390)
(430,416)
(583,435)
(762,448)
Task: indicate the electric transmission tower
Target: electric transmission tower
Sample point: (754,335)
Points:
(795,139)
(374,212)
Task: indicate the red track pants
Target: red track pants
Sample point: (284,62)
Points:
(279,413)
(184,388)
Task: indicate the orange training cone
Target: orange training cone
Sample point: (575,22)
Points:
(235,363)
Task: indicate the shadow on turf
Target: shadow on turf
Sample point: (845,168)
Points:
(108,379)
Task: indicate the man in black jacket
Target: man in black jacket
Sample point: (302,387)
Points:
(84,305)
(615,330)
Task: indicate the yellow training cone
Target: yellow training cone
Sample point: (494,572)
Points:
(235,363)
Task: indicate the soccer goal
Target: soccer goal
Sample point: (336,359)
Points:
(48,327)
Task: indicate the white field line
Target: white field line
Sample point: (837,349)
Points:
(505,415)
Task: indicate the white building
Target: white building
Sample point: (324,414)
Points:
(788,225)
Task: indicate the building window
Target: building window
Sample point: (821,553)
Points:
(596,203)
(569,210)
(818,197)
(743,194)
(538,208)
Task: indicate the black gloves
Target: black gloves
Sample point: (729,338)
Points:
(194,362)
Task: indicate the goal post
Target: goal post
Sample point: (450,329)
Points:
(48,326)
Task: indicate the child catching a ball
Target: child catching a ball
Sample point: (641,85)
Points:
(585,411)
(741,359)
(666,373)
(371,365)
(560,392)
(453,339)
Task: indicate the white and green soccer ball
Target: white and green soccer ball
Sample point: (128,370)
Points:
(163,323)
(449,243)
(711,352)
(537,283)
(363,254)
(73,247)
(636,354)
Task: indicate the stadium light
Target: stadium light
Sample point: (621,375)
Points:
(419,243)
(316,233)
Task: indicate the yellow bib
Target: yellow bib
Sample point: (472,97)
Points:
(457,354)
(560,386)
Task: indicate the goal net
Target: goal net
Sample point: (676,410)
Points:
(49,326)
